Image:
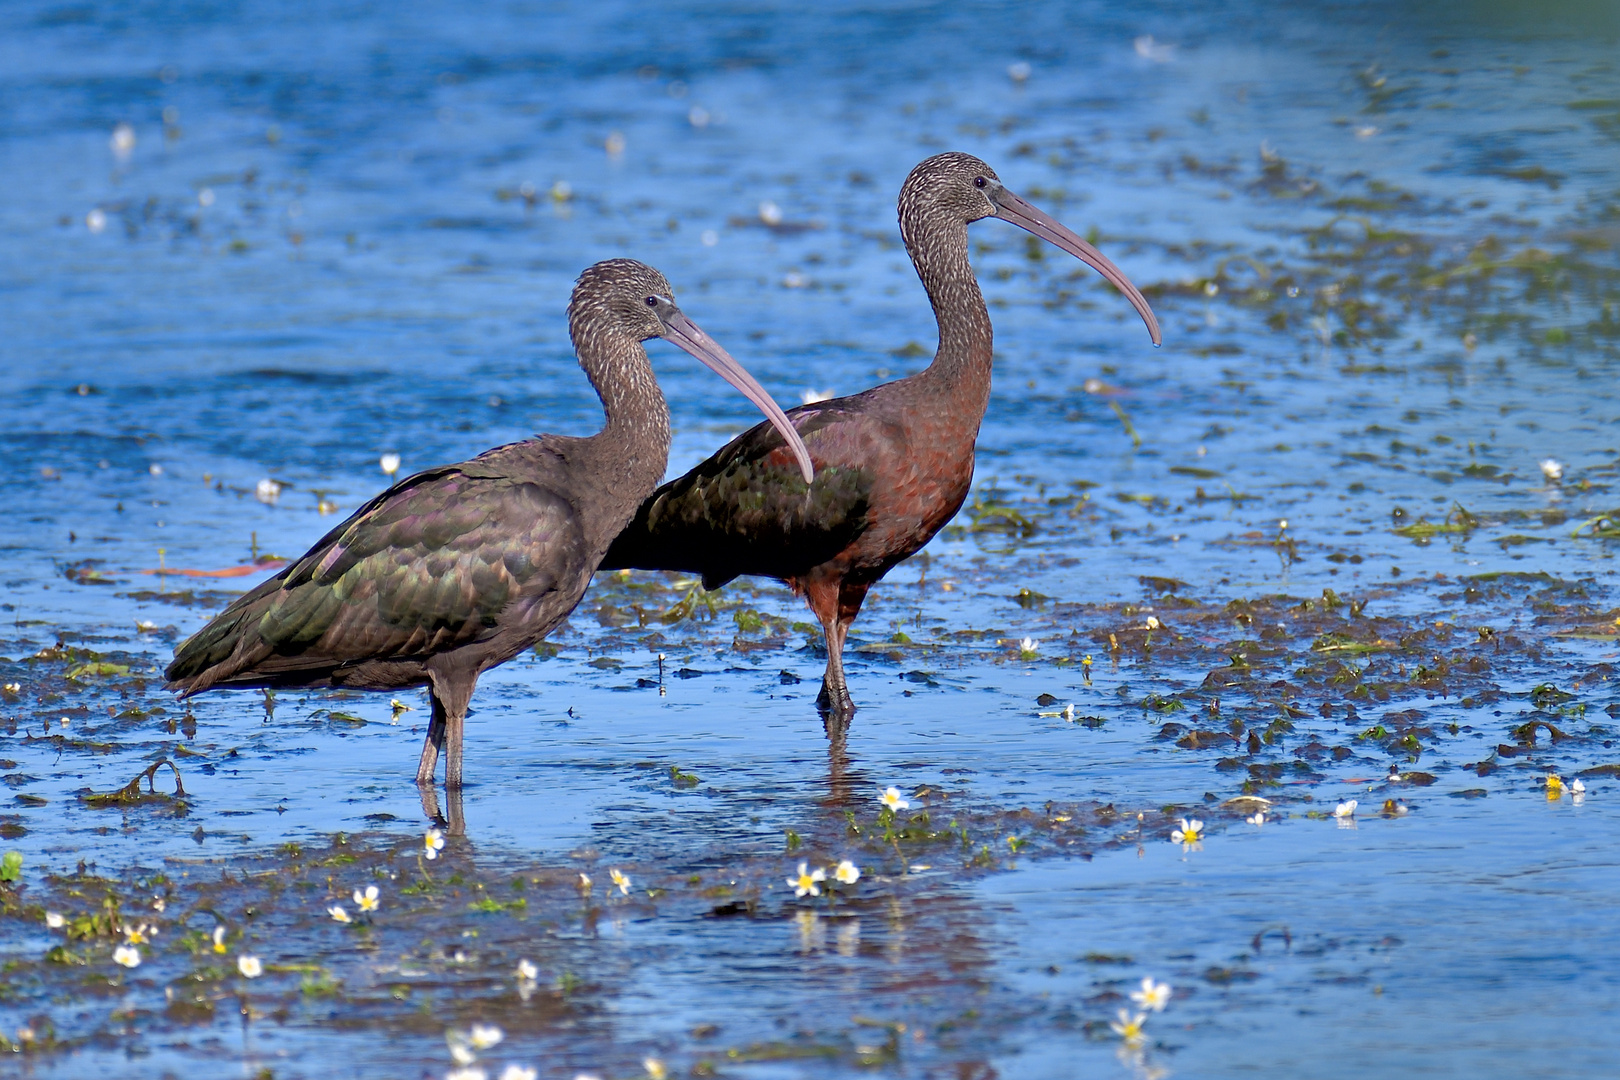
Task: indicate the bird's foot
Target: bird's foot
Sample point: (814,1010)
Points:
(835,703)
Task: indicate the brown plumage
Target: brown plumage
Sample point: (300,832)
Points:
(460,568)
(893,464)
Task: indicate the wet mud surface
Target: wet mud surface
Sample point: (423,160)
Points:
(1347,536)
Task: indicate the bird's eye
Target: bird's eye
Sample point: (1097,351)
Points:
(652,301)
(979,181)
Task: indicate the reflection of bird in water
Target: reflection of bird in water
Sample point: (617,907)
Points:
(462,567)
(895,462)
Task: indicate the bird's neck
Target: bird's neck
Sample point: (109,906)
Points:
(961,367)
(632,449)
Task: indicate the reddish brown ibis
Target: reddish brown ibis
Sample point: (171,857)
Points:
(462,567)
(893,463)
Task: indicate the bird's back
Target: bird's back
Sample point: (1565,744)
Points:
(465,564)
(745,510)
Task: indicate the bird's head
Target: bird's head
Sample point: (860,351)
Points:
(619,298)
(952,190)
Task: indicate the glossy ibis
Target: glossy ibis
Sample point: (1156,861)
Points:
(460,568)
(893,463)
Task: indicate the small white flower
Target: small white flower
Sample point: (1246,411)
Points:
(655,1068)
(1191,832)
(484,1036)
(847,873)
(1345,809)
(518,1072)
(136,935)
(433,842)
(1259,818)
(219,939)
(460,1045)
(621,880)
(584,882)
(13,688)
(389,463)
(367,901)
(1553,470)
(527,970)
(54,920)
(337,913)
(95,220)
(891,799)
(267,491)
(249,966)
(1128,1027)
(127,955)
(770,213)
(146,626)
(807,880)
(1577,785)
(1153,995)
(1153,622)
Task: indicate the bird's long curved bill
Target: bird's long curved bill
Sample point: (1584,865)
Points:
(679,330)
(1013,208)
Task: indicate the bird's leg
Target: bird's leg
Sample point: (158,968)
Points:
(455,691)
(430,747)
(835,602)
(834,698)
(452,749)
(850,596)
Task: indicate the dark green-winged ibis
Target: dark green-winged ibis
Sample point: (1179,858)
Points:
(894,463)
(460,568)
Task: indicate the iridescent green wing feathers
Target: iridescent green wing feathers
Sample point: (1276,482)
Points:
(440,561)
(746,510)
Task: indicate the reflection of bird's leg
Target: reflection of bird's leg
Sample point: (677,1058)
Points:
(838,786)
(430,804)
(430,746)
(457,825)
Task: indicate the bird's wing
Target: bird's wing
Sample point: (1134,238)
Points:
(747,510)
(441,560)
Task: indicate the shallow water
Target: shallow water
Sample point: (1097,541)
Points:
(327,251)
